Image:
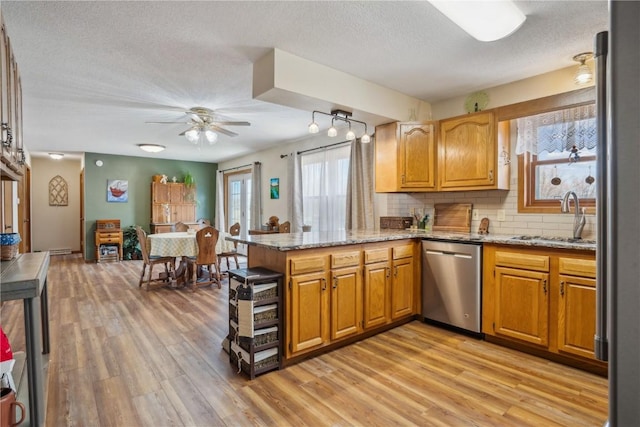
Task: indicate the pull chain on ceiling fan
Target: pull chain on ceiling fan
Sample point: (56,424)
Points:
(205,126)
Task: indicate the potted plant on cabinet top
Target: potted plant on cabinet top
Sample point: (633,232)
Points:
(189,187)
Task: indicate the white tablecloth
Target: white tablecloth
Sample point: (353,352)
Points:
(182,243)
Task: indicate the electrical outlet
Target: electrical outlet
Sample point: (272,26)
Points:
(475,214)
(501,215)
(412,211)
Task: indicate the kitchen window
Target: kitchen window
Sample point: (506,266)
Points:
(556,153)
(324,188)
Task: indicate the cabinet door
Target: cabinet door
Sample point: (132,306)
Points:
(577,315)
(522,305)
(417,156)
(402,288)
(376,294)
(183,213)
(160,193)
(346,302)
(467,152)
(176,192)
(309,316)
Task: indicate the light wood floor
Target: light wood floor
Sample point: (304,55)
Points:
(122,356)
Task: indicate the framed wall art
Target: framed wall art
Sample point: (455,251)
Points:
(117,190)
(275,188)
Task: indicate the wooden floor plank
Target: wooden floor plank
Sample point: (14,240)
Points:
(121,355)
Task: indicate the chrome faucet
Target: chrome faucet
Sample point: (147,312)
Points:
(579,219)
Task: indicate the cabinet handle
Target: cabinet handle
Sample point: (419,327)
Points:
(335,282)
(395,272)
(544,286)
(403,178)
(324,284)
(388,272)
(562,287)
(491,175)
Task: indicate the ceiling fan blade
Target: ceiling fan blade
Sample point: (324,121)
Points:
(222,130)
(163,123)
(231,123)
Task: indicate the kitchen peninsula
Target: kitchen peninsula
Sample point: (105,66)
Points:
(347,285)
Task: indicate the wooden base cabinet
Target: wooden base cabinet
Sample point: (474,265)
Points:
(543,298)
(335,295)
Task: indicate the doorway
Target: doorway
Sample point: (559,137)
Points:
(238,201)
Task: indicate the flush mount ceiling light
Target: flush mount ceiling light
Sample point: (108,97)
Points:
(56,156)
(583,73)
(341,115)
(152,148)
(486,21)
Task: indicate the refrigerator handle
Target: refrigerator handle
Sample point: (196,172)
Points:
(603,197)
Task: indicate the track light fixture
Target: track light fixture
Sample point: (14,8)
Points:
(341,115)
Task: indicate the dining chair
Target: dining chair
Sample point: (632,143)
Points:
(207,260)
(150,261)
(179,226)
(285,227)
(234,230)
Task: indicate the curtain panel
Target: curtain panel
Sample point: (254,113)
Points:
(360,189)
(255,210)
(557,131)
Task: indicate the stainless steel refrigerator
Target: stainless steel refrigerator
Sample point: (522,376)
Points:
(618,210)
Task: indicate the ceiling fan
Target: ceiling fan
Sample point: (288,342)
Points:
(204,122)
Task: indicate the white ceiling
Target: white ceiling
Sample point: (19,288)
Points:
(94,72)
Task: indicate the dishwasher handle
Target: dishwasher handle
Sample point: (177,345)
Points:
(455,254)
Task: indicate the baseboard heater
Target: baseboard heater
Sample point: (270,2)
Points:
(61,251)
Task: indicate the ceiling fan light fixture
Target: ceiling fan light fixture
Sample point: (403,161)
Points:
(486,21)
(192,135)
(211,136)
(152,148)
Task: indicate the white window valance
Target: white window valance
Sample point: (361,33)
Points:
(558,131)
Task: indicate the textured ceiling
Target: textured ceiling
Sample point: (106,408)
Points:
(94,72)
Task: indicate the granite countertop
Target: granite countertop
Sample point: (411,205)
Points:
(315,239)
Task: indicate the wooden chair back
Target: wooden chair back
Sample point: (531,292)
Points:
(207,238)
(234,230)
(142,240)
(285,227)
(179,226)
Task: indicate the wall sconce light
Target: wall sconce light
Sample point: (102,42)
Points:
(152,148)
(341,115)
(56,156)
(583,73)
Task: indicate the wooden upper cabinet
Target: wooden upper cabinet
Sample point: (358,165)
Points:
(405,157)
(468,154)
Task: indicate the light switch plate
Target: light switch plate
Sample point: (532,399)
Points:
(475,214)
(501,215)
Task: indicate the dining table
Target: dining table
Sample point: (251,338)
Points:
(183,245)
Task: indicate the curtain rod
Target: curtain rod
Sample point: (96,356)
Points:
(282,156)
(237,167)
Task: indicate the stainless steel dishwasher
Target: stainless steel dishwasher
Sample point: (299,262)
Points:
(452,284)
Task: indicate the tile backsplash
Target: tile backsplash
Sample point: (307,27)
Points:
(488,203)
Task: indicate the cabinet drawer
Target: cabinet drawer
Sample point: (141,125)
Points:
(405,251)
(103,235)
(345,259)
(109,240)
(376,255)
(522,260)
(577,267)
(308,265)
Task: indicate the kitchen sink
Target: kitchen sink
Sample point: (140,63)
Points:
(555,239)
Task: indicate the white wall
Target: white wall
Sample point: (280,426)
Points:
(55,227)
